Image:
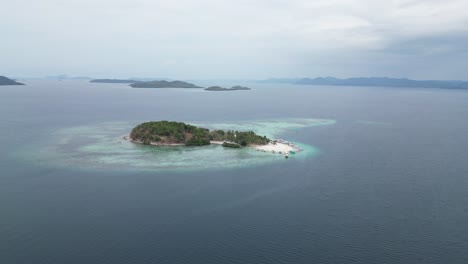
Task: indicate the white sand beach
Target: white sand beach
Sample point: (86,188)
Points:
(277,148)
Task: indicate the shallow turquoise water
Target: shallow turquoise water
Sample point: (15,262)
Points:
(100,145)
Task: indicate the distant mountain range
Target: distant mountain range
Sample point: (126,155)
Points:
(6,81)
(374,81)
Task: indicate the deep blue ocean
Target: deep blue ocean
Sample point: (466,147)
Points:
(388,182)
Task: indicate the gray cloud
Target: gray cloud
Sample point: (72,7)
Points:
(235,39)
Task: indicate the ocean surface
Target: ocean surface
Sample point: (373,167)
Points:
(383,178)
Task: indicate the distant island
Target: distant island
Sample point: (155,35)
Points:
(164,84)
(171,133)
(384,81)
(113,81)
(233,88)
(6,81)
(372,81)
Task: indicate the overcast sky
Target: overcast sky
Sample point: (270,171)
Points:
(421,39)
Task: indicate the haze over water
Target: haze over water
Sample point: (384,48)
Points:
(387,183)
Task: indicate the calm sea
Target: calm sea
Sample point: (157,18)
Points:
(389,183)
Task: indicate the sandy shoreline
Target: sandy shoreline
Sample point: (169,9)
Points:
(153,143)
(166,145)
(281,148)
(273,147)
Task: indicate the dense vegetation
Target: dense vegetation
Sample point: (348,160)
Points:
(168,132)
(233,88)
(163,84)
(113,81)
(242,138)
(6,81)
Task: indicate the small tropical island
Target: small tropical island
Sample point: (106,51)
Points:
(164,84)
(6,81)
(171,133)
(233,88)
(113,81)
